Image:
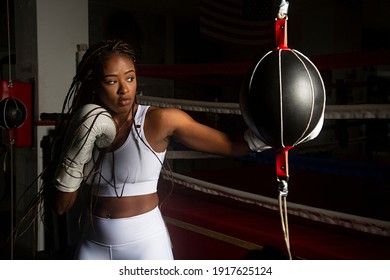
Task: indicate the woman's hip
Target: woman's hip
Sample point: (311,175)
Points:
(125,230)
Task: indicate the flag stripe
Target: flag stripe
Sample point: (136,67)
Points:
(212,16)
(224,21)
(235,40)
(230,8)
(233,29)
(229,16)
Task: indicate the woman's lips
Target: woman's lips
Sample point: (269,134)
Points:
(124,102)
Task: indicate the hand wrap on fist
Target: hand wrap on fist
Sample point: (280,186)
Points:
(91,125)
(255,143)
(316,131)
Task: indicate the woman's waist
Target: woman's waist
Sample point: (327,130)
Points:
(125,206)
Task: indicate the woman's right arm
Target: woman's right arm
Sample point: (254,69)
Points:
(64,201)
(91,125)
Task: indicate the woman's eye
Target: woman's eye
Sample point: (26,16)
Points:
(130,79)
(110,82)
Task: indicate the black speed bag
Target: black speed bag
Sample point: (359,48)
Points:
(12,113)
(282,97)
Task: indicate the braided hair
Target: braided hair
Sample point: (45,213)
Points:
(81,90)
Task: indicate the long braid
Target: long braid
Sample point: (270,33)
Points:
(81,92)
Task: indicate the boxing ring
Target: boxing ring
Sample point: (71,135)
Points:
(230,211)
(227,208)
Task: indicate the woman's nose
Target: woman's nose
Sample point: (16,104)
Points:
(123,88)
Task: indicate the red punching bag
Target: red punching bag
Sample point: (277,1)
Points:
(282,97)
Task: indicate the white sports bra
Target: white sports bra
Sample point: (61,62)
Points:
(134,168)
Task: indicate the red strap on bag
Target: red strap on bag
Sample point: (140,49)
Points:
(282,163)
(281,33)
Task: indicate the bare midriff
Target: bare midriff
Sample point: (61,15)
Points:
(126,206)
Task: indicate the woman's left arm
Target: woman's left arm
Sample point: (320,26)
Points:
(194,135)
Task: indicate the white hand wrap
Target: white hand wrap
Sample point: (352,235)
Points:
(316,131)
(90,125)
(255,143)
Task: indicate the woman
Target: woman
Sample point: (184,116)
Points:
(118,146)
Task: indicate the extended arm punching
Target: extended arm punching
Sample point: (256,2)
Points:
(91,125)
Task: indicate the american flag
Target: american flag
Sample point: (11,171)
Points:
(238,22)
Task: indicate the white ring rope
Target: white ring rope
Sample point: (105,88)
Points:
(359,223)
(358,111)
(361,111)
(189,155)
(190,105)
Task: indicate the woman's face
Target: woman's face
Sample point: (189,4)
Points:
(117,84)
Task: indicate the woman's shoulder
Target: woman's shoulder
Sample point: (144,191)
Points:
(165,113)
(167,119)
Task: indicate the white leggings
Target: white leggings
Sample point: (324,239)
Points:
(142,237)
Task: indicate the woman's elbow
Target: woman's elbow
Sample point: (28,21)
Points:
(60,210)
(64,202)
